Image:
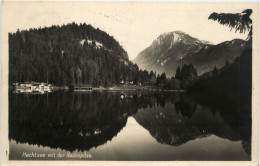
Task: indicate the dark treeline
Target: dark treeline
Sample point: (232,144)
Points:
(183,79)
(71,54)
(187,74)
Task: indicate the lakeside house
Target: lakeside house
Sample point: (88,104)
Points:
(126,82)
(82,87)
(28,87)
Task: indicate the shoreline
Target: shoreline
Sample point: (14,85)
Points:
(149,88)
(133,88)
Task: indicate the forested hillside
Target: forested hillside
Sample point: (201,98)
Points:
(70,54)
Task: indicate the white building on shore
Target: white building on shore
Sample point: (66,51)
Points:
(30,87)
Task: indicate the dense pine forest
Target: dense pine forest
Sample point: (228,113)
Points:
(71,54)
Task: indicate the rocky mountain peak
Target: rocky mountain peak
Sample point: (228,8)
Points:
(174,37)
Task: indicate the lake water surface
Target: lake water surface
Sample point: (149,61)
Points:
(132,125)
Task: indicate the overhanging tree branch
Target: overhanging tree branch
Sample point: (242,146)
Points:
(239,21)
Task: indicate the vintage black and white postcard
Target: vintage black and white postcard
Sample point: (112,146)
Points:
(119,83)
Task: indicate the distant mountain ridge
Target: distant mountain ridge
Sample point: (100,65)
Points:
(177,48)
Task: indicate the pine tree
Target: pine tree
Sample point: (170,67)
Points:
(215,72)
(178,73)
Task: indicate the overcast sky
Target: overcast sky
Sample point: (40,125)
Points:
(134,25)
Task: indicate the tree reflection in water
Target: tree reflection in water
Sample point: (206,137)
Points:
(81,121)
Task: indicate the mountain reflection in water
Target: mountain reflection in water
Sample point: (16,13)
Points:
(83,121)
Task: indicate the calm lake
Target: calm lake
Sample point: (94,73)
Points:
(129,125)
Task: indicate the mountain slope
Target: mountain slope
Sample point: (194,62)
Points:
(215,55)
(177,48)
